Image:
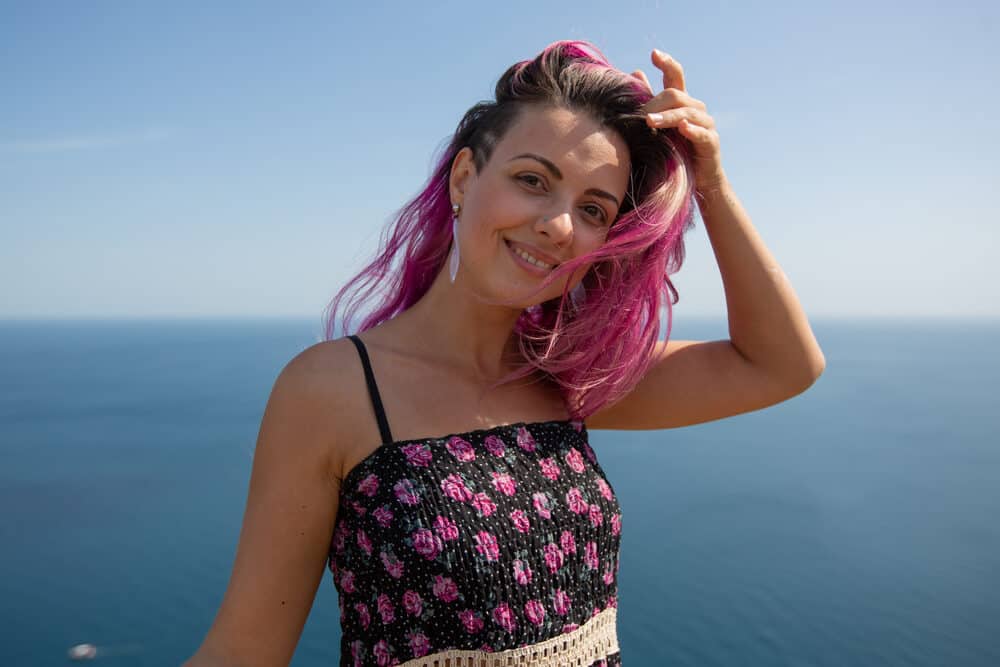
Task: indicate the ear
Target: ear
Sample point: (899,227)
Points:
(463,169)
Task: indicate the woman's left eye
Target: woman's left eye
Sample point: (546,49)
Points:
(595,211)
(530,179)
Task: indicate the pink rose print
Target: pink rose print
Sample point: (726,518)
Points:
(369,485)
(364,542)
(472,621)
(613,601)
(590,555)
(525,440)
(575,460)
(605,490)
(494,445)
(589,452)
(541,503)
(567,542)
(445,589)
(616,524)
(356,652)
(347,581)
(446,528)
(486,544)
(460,449)
(393,565)
(504,617)
(340,537)
(454,487)
(483,504)
(574,498)
(561,602)
(535,611)
(420,645)
(413,604)
(363,617)
(426,543)
(596,518)
(609,575)
(406,492)
(550,468)
(504,483)
(358,507)
(522,573)
(570,627)
(381,653)
(418,454)
(520,519)
(384,516)
(385,608)
(554,557)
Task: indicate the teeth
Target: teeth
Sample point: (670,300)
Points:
(531,260)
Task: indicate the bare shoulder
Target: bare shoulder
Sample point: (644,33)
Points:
(322,379)
(292,507)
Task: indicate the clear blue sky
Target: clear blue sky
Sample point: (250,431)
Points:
(227,159)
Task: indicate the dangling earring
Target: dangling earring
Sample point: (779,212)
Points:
(453,259)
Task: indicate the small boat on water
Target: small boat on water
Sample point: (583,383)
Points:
(83,652)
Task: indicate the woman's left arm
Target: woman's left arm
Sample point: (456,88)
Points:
(772,353)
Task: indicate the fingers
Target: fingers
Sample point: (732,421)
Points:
(673,73)
(673,97)
(673,118)
(639,74)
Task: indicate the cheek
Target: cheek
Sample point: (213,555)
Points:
(588,239)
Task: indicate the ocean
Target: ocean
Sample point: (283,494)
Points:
(855,524)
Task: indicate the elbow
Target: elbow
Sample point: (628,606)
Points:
(802,376)
(810,372)
(816,366)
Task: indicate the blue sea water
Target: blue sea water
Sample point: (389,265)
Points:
(855,524)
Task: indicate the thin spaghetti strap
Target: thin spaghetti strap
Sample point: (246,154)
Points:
(383,423)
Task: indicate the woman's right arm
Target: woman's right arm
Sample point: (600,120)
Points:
(288,522)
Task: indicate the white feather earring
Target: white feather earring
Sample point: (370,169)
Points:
(453,259)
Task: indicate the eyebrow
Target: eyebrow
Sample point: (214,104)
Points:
(604,194)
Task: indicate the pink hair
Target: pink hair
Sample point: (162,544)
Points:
(598,352)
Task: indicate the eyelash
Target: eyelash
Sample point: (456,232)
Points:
(601,215)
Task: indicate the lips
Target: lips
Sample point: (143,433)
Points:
(534,253)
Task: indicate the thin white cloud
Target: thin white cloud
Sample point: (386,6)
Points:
(86,142)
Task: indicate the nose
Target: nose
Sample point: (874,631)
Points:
(558,226)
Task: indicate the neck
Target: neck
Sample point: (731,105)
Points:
(450,324)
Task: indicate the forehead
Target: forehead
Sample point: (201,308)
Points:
(576,143)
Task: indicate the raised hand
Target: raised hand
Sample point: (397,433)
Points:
(675,108)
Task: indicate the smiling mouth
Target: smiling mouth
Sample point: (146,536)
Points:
(531,259)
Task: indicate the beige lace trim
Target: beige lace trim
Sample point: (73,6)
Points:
(592,641)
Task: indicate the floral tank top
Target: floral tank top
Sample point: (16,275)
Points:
(492,547)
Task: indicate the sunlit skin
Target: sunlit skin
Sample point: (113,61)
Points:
(433,358)
(519,200)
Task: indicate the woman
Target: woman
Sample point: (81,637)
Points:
(438,462)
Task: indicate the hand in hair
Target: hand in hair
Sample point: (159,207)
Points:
(675,108)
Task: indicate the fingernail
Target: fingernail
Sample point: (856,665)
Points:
(661,54)
(655,117)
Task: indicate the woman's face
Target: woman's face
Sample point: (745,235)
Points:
(551,190)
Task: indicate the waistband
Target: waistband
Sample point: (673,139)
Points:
(594,640)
